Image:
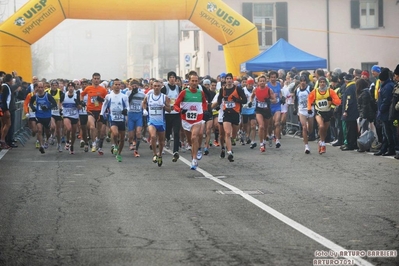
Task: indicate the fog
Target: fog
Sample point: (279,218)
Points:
(78,48)
(115,49)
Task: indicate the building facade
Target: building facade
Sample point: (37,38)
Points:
(348,33)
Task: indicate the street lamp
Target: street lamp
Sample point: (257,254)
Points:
(208,54)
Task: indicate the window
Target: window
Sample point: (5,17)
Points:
(271,20)
(263,18)
(367,14)
(368,65)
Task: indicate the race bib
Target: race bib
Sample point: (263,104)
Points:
(117,115)
(322,103)
(135,108)
(93,100)
(191,115)
(70,111)
(262,104)
(230,104)
(156,111)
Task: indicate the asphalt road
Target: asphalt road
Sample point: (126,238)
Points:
(282,207)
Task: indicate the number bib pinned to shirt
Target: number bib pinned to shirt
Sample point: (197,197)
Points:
(262,104)
(323,105)
(135,108)
(155,110)
(230,104)
(191,115)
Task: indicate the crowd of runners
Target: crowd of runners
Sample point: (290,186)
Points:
(197,112)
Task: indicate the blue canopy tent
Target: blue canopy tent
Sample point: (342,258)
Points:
(283,55)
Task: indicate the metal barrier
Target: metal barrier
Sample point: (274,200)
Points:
(21,131)
(292,124)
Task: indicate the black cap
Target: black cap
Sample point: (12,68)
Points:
(342,76)
(171,74)
(348,77)
(384,75)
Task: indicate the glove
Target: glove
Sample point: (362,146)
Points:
(283,99)
(235,99)
(33,109)
(61,113)
(206,116)
(250,104)
(124,112)
(27,116)
(44,107)
(100,99)
(83,104)
(395,123)
(295,112)
(183,111)
(329,99)
(101,119)
(217,108)
(310,112)
(145,113)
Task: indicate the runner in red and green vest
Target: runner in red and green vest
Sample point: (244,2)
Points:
(192,106)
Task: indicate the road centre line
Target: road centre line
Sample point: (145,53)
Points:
(297,226)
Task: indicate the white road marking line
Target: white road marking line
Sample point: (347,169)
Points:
(2,153)
(297,226)
(57,161)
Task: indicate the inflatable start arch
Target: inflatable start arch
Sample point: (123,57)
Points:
(37,17)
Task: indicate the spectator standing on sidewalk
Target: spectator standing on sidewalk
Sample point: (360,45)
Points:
(350,113)
(385,96)
(5,106)
(15,89)
(394,111)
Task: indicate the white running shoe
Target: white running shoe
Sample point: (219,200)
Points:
(194,164)
(199,154)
